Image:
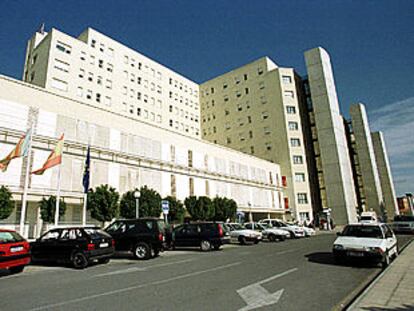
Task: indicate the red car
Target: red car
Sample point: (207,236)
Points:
(14,251)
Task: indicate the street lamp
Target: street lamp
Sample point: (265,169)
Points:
(250,212)
(137,194)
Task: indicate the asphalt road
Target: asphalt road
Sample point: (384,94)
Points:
(291,275)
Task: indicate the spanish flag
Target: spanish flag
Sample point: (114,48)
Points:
(55,158)
(21,150)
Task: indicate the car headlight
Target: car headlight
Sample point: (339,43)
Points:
(338,247)
(374,249)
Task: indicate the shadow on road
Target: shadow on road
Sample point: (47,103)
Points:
(327,258)
(405,307)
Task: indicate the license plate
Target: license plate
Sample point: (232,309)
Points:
(16,249)
(356,254)
(103,245)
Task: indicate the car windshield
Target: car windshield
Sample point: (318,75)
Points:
(95,233)
(367,218)
(237,227)
(10,237)
(403,218)
(363,232)
(114,227)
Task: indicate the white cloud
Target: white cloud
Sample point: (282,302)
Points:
(396,121)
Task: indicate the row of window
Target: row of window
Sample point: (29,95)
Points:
(183,113)
(90,76)
(183,100)
(145,83)
(183,87)
(88,94)
(141,112)
(183,127)
(109,51)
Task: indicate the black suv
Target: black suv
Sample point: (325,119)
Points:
(205,235)
(144,237)
(76,245)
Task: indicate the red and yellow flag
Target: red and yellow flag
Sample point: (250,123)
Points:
(21,150)
(55,158)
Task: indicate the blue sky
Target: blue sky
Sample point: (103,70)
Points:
(371,44)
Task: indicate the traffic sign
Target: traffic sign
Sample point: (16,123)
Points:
(165,205)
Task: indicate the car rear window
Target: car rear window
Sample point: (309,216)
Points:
(95,233)
(367,218)
(363,232)
(10,237)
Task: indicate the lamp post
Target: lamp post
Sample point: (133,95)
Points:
(250,212)
(137,194)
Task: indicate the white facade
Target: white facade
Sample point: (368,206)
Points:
(125,154)
(101,72)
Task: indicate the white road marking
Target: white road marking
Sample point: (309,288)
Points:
(255,296)
(122,290)
(136,269)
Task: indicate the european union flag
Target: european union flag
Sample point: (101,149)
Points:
(86,173)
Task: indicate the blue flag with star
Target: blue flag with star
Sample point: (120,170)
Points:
(86,173)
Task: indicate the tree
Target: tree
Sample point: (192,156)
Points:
(149,203)
(200,208)
(48,208)
(6,202)
(103,203)
(128,205)
(177,211)
(224,209)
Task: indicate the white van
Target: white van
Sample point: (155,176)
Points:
(368,218)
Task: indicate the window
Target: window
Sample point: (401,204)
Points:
(266,130)
(249,119)
(98,97)
(238,94)
(259,71)
(302,198)
(287,79)
(63,47)
(246,90)
(59,84)
(228,140)
(100,63)
(226,112)
(293,126)
(92,60)
(299,177)
(261,85)
(291,109)
(108,84)
(81,73)
(61,65)
(93,43)
(101,47)
(245,76)
(241,137)
(268,146)
(297,159)
(171,122)
(265,115)
(90,76)
(224,86)
(226,99)
(251,134)
(126,59)
(110,52)
(295,142)
(99,80)
(240,121)
(79,91)
(239,107)
(227,126)
(251,149)
(107,101)
(110,68)
(289,94)
(89,94)
(138,111)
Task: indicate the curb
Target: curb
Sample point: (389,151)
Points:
(361,292)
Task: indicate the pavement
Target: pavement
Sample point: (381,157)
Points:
(393,289)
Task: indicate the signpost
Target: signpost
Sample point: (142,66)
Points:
(165,205)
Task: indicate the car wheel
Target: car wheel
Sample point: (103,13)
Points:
(17,269)
(292,235)
(104,260)
(282,238)
(256,241)
(79,260)
(142,251)
(242,240)
(386,261)
(272,238)
(205,245)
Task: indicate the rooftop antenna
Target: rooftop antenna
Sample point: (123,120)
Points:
(42,28)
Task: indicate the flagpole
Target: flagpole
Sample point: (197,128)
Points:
(26,183)
(85,201)
(58,195)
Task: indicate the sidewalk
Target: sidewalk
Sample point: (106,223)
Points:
(393,289)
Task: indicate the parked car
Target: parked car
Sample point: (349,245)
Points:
(14,251)
(226,232)
(270,233)
(144,237)
(375,242)
(78,246)
(308,231)
(294,230)
(368,218)
(403,224)
(239,234)
(206,235)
